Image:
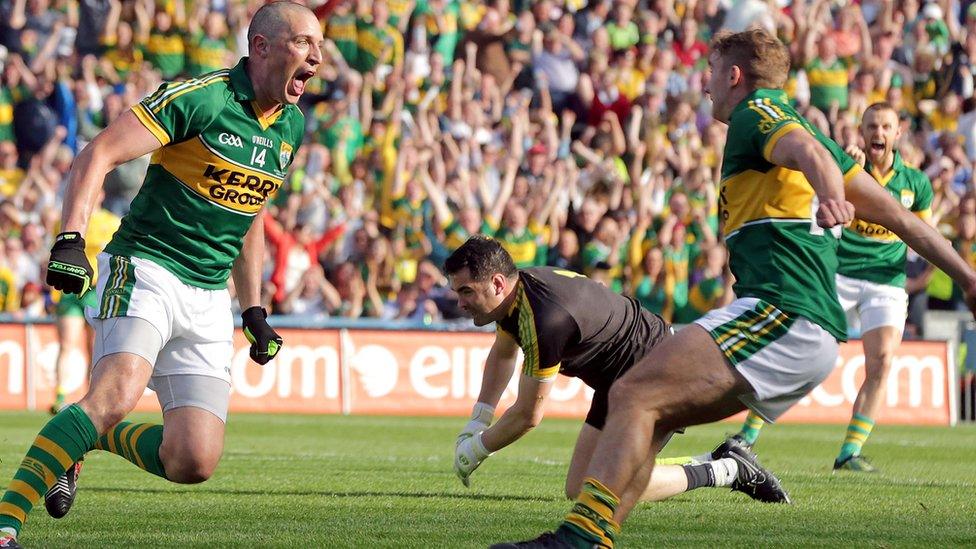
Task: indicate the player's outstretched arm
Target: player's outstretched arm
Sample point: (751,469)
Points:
(123,140)
(799,150)
(265,342)
(126,138)
(874,204)
(499,368)
(522,416)
(526,413)
(469,449)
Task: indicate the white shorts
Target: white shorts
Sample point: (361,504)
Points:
(783,357)
(195,325)
(870,305)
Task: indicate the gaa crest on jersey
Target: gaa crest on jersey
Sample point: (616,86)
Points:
(907,198)
(285,155)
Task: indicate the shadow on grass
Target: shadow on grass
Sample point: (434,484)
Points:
(328,493)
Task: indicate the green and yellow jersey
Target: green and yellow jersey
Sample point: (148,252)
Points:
(9,97)
(702,297)
(167,51)
(523,246)
(9,292)
(341,29)
(377,45)
(399,10)
(220,162)
(10,181)
(455,234)
(777,252)
(206,54)
(123,61)
(873,253)
(828,83)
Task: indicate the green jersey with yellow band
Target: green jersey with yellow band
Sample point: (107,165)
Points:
(166,51)
(377,45)
(206,54)
(873,253)
(220,162)
(341,29)
(828,83)
(777,252)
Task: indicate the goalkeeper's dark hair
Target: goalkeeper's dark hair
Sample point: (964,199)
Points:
(483,256)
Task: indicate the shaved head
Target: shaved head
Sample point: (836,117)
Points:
(271,20)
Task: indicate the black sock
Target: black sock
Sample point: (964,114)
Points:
(699,475)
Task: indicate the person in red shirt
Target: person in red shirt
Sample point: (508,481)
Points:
(295,252)
(688,47)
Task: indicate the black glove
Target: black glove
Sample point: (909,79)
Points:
(69,269)
(265,342)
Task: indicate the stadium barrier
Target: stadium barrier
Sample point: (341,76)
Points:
(364,369)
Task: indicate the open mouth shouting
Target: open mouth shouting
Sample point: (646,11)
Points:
(877,147)
(296,85)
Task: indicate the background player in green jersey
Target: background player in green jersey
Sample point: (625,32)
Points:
(164,318)
(783,201)
(871,278)
(567,323)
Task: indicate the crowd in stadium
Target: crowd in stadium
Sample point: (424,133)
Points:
(576,132)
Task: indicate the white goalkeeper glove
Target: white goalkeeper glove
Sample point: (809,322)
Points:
(468,455)
(481,416)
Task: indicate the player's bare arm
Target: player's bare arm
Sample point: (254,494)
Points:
(877,206)
(522,416)
(247,268)
(123,140)
(499,368)
(246,271)
(799,150)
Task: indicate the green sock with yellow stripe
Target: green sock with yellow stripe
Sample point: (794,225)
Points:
(137,442)
(590,523)
(750,427)
(62,441)
(858,432)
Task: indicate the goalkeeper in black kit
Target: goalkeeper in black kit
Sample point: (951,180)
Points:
(566,323)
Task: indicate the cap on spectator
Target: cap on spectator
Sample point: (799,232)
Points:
(538,148)
(932,11)
(971,11)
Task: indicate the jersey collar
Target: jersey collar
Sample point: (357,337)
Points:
(778,96)
(243,89)
(896,166)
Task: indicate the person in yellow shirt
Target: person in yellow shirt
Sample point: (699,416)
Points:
(70,323)
(10,175)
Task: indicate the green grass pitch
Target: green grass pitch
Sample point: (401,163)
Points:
(327,481)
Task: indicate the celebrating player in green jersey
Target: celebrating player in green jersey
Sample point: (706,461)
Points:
(567,323)
(783,200)
(871,278)
(222,145)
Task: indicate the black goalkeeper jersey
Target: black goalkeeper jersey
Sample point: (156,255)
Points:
(566,323)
